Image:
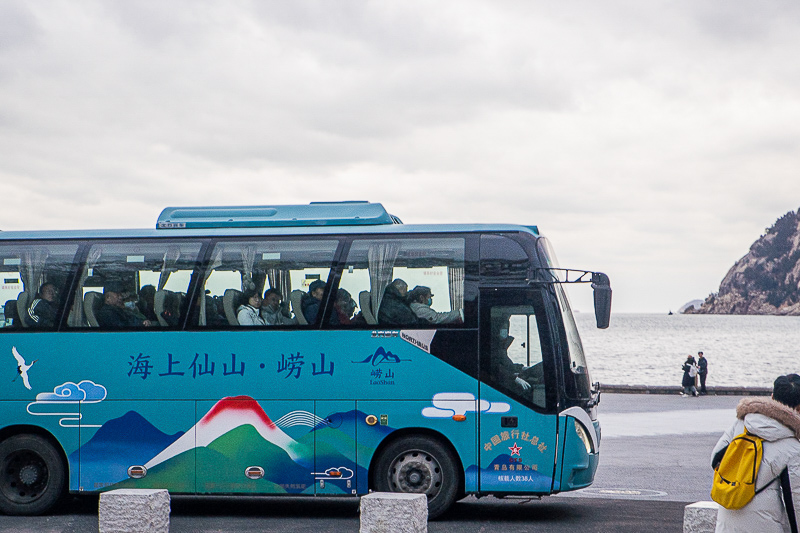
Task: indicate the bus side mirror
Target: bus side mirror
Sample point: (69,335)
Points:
(602,299)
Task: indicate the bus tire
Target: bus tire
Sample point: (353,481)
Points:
(32,475)
(419,465)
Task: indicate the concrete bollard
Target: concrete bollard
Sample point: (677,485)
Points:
(700,517)
(134,511)
(394,512)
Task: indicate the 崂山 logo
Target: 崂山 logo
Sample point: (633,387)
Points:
(381,357)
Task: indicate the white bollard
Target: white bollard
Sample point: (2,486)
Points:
(394,512)
(700,517)
(134,511)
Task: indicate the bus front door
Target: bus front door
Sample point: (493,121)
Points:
(518,428)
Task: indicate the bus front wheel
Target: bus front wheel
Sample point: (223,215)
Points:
(419,465)
(32,475)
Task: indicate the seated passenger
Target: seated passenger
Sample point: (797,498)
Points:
(394,310)
(146,303)
(172,309)
(503,368)
(42,311)
(248,312)
(10,314)
(421,299)
(343,309)
(274,312)
(312,299)
(113,314)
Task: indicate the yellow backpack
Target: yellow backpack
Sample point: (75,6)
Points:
(735,475)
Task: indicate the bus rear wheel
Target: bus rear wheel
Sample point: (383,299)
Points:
(419,465)
(32,475)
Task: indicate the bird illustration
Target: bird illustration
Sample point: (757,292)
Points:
(22,368)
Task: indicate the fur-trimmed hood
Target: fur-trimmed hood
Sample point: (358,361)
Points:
(783,414)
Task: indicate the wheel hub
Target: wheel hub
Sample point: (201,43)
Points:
(29,474)
(416,472)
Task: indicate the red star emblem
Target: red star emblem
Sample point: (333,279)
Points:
(515,449)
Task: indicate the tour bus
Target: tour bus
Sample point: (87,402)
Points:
(434,359)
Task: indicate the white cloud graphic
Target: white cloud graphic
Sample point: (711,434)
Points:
(330,473)
(68,393)
(448,404)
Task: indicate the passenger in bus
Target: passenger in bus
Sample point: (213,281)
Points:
(394,310)
(274,311)
(146,303)
(343,309)
(248,313)
(42,311)
(421,299)
(172,309)
(10,314)
(312,300)
(503,368)
(113,314)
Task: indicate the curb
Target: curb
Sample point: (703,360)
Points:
(666,389)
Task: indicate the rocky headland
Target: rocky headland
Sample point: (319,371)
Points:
(766,281)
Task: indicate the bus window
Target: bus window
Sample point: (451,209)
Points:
(503,258)
(516,353)
(433,263)
(288,267)
(133,284)
(33,279)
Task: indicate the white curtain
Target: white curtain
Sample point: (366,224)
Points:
(381,265)
(168,266)
(455,279)
(248,260)
(31,271)
(76,318)
(216,262)
(279,279)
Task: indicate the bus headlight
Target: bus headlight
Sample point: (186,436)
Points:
(584,436)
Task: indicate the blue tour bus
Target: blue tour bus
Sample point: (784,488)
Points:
(129,364)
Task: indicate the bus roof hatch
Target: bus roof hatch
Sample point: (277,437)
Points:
(314,214)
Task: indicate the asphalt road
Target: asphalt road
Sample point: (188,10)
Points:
(655,455)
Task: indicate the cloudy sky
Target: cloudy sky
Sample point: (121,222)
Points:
(654,141)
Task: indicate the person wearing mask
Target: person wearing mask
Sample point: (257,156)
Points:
(311,300)
(274,311)
(248,313)
(394,309)
(421,299)
(777,421)
(42,311)
(113,314)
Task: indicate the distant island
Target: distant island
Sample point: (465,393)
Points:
(766,281)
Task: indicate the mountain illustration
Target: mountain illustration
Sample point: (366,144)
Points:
(119,443)
(226,415)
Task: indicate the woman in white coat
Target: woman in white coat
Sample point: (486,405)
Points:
(777,421)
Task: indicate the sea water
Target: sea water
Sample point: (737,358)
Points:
(649,349)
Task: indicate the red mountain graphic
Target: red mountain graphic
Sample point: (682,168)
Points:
(226,415)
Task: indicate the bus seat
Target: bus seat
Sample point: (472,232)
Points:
(91,304)
(158,306)
(22,308)
(230,300)
(10,314)
(366,307)
(295,298)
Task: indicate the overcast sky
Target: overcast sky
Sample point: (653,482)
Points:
(654,141)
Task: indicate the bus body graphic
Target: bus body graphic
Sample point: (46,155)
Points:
(197,359)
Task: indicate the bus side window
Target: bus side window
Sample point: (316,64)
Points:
(281,272)
(381,274)
(516,353)
(33,278)
(129,284)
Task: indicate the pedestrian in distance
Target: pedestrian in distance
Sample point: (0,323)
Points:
(689,372)
(776,420)
(702,371)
